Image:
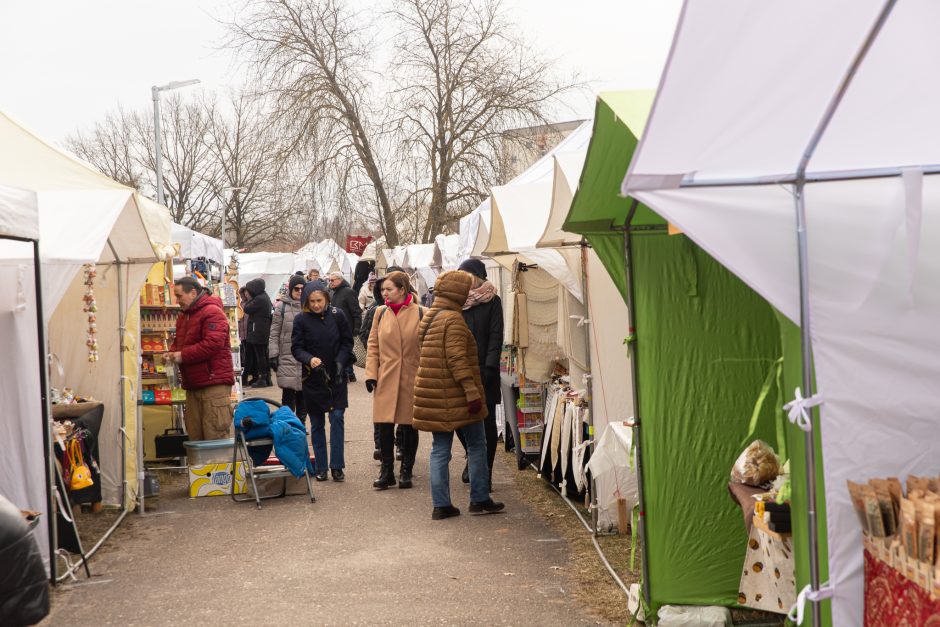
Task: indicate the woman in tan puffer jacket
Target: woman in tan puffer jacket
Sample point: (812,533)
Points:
(449,395)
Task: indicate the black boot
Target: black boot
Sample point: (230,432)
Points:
(404,479)
(465,475)
(386,476)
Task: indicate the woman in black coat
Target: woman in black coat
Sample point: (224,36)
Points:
(483,313)
(322,342)
(260,313)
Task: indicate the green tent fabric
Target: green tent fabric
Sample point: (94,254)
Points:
(704,344)
(597,207)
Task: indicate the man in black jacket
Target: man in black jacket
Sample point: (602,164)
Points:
(259,311)
(345,298)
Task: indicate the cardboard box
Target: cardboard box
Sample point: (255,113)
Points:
(216,480)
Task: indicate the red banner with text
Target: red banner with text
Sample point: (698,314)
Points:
(356,244)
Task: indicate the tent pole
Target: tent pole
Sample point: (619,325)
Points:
(634,374)
(46,425)
(805,320)
(122,321)
(590,379)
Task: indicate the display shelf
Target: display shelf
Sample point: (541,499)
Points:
(142,306)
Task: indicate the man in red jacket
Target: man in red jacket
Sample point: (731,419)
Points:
(202,351)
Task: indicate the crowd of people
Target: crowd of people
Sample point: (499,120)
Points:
(430,367)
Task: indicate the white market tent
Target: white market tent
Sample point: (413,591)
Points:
(446,252)
(329,257)
(821,116)
(419,259)
(194,244)
(84,217)
(610,363)
(273,268)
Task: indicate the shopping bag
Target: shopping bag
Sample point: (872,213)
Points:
(81,474)
(359,350)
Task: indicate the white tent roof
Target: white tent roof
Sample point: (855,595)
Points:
(194,244)
(19,215)
(521,208)
(568,166)
(758,100)
(418,256)
(330,257)
(273,268)
(446,251)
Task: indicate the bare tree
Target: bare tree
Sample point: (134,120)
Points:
(111,148)
(463,76)
(313,59)
(247,185)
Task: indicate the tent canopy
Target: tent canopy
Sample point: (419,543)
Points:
(19,215)
(870,202)
(194,244)
(446,251)
(598,210)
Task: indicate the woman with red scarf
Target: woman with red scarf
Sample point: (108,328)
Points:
(391,368)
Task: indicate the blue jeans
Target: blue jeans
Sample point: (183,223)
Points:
(318,439)
(476,460)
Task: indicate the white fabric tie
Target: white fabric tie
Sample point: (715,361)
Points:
(581,320)
(798,409)
(808,594)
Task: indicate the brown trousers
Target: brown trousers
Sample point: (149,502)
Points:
(208,414)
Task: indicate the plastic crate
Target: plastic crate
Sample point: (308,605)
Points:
(528,419)
(530,439)
(529,399)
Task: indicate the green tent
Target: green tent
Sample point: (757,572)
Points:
(705,347)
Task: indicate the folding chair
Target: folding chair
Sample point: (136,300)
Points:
(256,473)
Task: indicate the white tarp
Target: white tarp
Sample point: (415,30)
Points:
(419,259)
(614,470)
(194,244)
(758,99)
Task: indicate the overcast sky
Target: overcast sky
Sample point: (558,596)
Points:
(65,63)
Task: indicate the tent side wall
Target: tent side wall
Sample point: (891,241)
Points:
(705,343)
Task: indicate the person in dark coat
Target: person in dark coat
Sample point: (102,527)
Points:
(260,313)
(247,357)
(343,297)
(483,313)
(322,341)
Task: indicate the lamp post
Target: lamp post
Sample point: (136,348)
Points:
(155,94)
(234,191)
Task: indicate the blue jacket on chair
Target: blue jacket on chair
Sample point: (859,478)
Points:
(283,427)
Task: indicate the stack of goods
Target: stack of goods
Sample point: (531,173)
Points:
(759,467)
(900,528)
(529,418)
(152,295)
(158,321)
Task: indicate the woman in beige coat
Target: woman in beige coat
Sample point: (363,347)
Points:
(391,368)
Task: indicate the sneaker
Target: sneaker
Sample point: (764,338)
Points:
(448,511)
(320,476)
(338,474)
(486,507)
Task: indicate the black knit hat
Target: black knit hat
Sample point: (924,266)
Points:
(474,267)
(295,280)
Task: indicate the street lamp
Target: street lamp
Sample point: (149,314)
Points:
(234,191)
(155,94)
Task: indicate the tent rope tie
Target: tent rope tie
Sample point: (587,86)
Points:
(798,409)
(70,567)
(581,320)
(808,594)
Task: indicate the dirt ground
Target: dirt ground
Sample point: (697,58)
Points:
(355,557)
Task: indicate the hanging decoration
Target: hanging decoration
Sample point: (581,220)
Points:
(91,308)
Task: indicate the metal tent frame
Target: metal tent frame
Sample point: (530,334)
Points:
(798,180)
